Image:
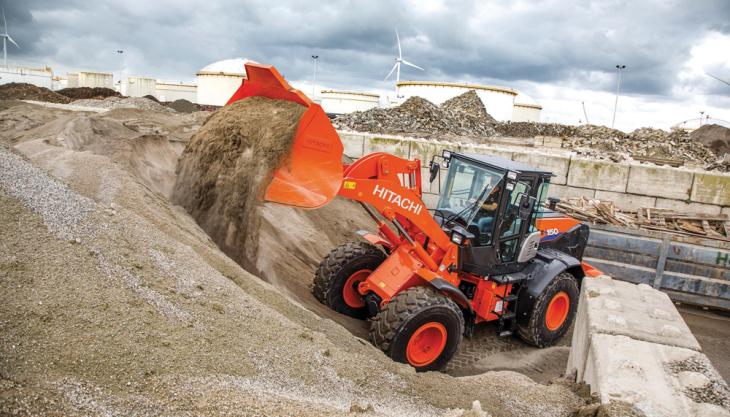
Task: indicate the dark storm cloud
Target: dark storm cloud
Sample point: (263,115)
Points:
(574,43)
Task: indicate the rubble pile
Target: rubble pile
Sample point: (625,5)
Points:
(532,129)
(643,144)
(78,93)
(24,91)
(123,103)
(464,115)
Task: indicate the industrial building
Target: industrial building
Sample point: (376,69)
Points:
(90,79)
(219,80)
(139,87)
(176,91)
(339,102)
(42,77)
(499,101)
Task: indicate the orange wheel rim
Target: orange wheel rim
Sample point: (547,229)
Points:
(426,344)
(349,292)
(557,310)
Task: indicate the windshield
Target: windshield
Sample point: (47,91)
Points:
(467,186)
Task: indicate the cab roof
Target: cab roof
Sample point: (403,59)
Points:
(501,163)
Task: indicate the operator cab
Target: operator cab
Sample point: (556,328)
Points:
(488,205)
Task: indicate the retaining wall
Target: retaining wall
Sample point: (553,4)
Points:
(629,185)
(631,345)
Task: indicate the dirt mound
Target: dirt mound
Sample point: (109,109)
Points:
(417,116)
(226,166)
(77,93)
(23,91)
(713,136)
(150,97)
(183,106)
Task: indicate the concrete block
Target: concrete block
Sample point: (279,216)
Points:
(660,182)
(425,149)
(353,144)
(656,379)
(711,188)
(630,202)
(397,147)
(608,306)
(486,150)
(725,210)
(565,192)
(685,207)
(556,164)
(599,175)
(552,142)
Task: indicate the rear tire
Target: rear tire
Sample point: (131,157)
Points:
(420,327)
(553,312)
(335,283)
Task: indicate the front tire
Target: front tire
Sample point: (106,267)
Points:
(339,273)
(553,312)
(420,327)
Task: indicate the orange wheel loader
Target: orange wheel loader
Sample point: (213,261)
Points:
(489,251)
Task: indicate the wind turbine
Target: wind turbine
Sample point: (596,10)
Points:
(6,37)
(398,61)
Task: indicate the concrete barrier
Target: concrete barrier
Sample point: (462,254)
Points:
(629,186)
(630,344)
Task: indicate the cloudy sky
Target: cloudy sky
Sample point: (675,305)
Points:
(560,53)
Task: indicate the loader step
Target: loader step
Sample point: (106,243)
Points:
(505,333)
(507,315)
(510,278)
(507,299)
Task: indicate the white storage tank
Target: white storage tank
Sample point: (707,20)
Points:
(139,87)
(526,112)
(91,79)
(41,77)
(176,91)
(339,102)
(498,100)
(218,81)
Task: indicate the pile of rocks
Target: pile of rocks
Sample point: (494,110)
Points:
(464,115)
(123,103)
(532,129)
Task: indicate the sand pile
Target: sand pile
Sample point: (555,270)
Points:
(227,164)
(77,93)
(138,312)
(23,91)
(460,116)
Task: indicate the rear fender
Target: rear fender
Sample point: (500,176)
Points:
(544,268)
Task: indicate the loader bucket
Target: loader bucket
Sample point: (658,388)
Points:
(311,175)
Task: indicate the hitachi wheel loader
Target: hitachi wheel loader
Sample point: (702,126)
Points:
(488,251)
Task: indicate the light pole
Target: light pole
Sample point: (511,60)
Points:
(121,68)
(618,90)
(315,58)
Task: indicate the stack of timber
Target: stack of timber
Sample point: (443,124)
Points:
(716,226)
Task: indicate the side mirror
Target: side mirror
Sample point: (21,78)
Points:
(433,171)
(527,203)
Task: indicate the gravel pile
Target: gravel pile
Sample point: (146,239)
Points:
(123,103)
(532,129)
(462,116)
(24,91)
(713,136)
(78,93)
(60,208)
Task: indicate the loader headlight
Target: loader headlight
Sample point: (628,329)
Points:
(457,237)
(446,154)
